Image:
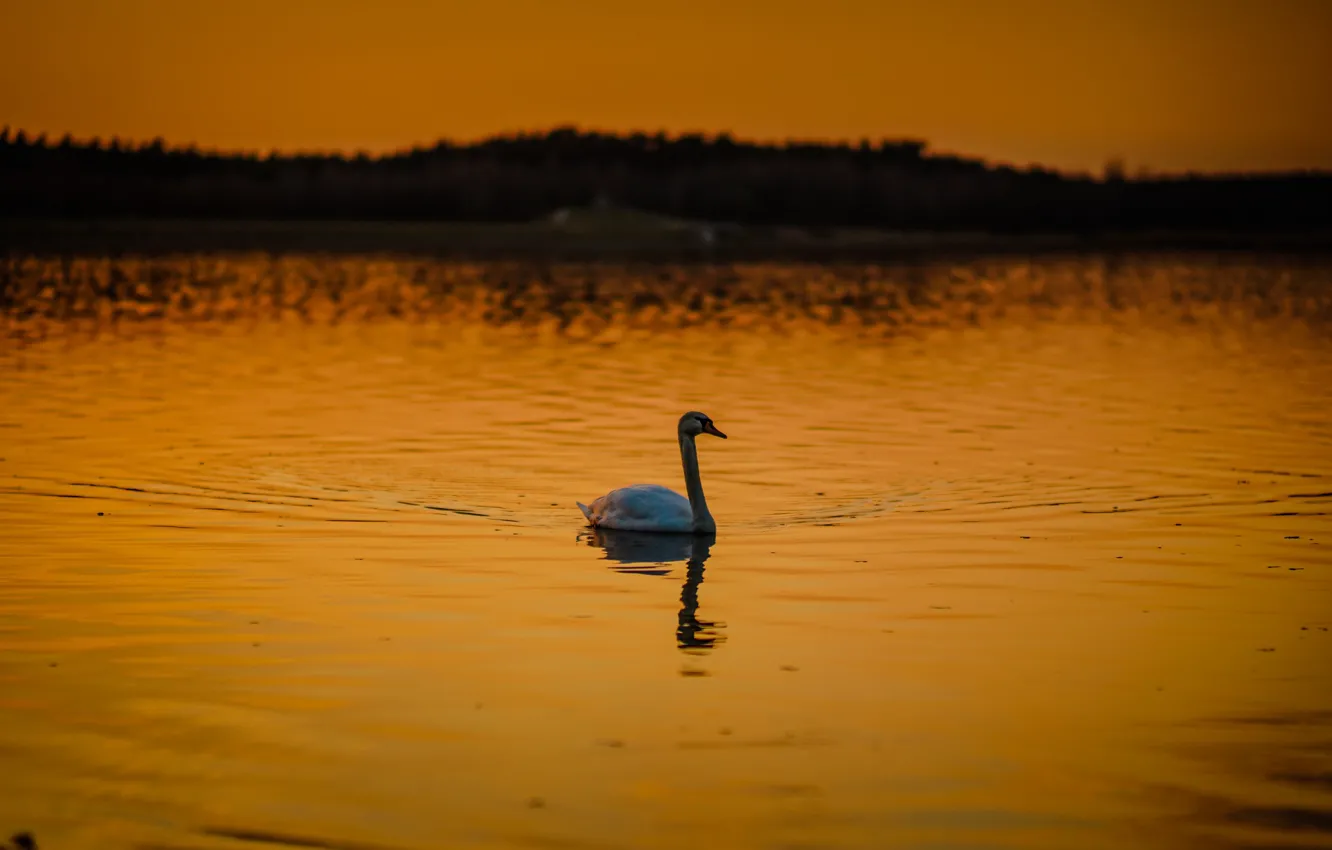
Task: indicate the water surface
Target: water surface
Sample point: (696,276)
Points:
(1011,554)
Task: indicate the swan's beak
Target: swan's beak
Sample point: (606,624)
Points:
(709,428)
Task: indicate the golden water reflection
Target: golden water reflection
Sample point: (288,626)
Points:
(652,554)
(1032,555)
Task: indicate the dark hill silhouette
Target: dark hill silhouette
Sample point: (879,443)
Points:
(516,178)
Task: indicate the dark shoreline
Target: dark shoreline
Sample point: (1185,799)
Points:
(543,240)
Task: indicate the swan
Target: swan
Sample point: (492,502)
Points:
(652,507)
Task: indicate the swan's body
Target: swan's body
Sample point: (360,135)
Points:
(652,507)
(641,507)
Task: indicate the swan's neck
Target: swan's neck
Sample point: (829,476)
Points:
(694,485)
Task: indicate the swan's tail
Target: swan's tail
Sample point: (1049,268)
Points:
(587,512)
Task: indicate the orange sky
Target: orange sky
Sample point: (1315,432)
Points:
(1169,84)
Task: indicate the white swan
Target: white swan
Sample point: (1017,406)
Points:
(651,507)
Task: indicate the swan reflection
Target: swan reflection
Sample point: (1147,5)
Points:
(653,554)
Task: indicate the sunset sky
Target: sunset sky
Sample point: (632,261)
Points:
(1166,84)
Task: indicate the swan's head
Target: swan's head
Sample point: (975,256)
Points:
(694,423)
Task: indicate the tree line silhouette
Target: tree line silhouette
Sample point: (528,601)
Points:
(897,184)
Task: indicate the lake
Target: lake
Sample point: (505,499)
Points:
(1018,552)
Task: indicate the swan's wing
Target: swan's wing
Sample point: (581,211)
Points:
(648,501)
(644,507)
